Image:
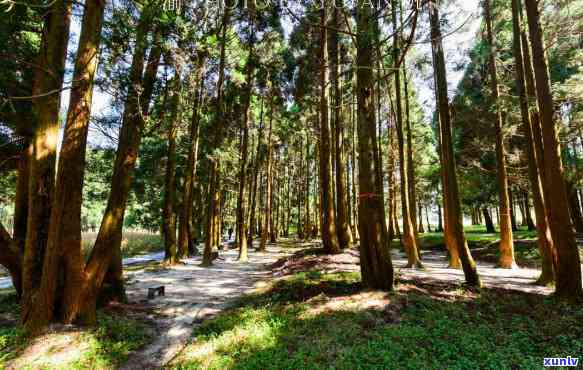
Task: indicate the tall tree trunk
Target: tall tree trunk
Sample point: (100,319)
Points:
(506,238)
(409,239)
(268,194)
(212,226)
(329,235)
(421,228)
(241,218)
(169,215)
(568,265)
(375,259)
(448,160)
(488,221)
(256,167)
(412,192)
(529,223)
(105,257)
(342,223)
(53,51)
(185,236)
(544,237)
(536,161)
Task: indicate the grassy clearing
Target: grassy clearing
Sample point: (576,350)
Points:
(311,320)
(103,347)
(484,245)
(132,244)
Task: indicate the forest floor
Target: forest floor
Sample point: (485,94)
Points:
(315,314)
(294,307)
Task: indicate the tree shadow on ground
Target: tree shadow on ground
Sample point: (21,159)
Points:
(327,321)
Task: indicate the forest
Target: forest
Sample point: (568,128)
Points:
(269,184)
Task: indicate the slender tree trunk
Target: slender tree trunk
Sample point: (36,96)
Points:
(506,238)
(185,236)
(268,194)
(529,222)
(105,257)
(53,51)
(568,265)
(328,223)
(344,233)
(421,228)
(536,162)
(212,227)
(427,218)
(448,160)
(169,215)
(256,167)
(488,220)
(241,218)
(543,231)
(409,238)
(375,259)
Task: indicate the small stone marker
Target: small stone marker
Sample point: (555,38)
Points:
(152,291)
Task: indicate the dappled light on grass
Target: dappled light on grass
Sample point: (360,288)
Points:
(326,321)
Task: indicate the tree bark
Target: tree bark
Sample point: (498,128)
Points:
(105,257)
(169,214)
(409,238)
(568,265)
(241,219)
(265,229)
(375,259)
(185,236)
(488,221)
(53,51)
(329,234)
(342,222)
(448,160)
(506,246)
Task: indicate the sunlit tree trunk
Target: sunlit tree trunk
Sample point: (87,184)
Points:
(506,238)
(545,241)
(375,259)
(53,50)
(328,220)
(342,222)
(448,160)
(105,257)
(568,265)
(240,217)
(409,239)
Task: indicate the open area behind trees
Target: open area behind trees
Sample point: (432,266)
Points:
(206,185)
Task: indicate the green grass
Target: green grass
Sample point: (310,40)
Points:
(484,245)
(132,244)
(424,327)
(103,347)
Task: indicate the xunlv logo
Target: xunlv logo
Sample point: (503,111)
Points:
(561,361)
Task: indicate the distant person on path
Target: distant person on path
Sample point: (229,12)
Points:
(230,233)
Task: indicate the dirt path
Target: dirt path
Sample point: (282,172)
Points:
(193,293)
(435,263)
(435,269)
